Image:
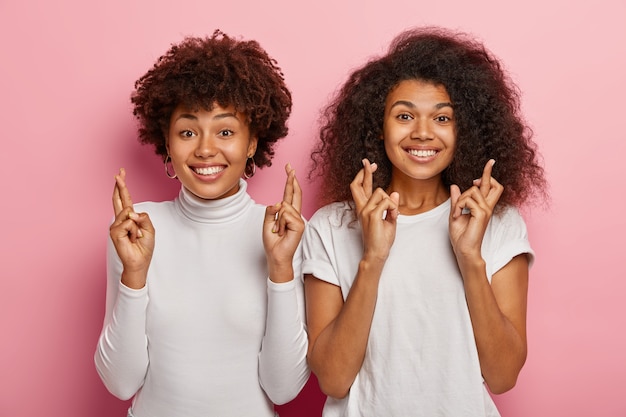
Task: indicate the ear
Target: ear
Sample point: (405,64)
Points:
(167,141)
(252,146)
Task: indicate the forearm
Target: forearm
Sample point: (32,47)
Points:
(283,369)
(121,356)
(338,352)
(501,346)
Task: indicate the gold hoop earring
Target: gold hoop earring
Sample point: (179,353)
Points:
(168,159)
(250,169)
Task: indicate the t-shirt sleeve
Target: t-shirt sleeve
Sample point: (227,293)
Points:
(318,249)
(508,237)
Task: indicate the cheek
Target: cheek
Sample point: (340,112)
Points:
(237,151)
(179,152)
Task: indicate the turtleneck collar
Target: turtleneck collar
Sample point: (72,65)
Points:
(213,211)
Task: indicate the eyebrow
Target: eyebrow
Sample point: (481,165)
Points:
(412,106)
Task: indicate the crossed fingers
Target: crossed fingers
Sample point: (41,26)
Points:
(483,195)
(289,209)
(362,185)
(123,207)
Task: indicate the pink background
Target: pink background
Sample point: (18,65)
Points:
(67,68)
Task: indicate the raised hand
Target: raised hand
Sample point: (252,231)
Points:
(470,213)
(132,235)
(282,229)
(377,212)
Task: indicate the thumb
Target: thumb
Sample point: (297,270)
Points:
(455,193)
(392,214)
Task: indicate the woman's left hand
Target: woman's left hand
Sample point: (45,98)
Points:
(470,213)
(282,229)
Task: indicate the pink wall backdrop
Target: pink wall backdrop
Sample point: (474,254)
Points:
(67,68)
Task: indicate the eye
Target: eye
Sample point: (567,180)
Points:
(443,119)
(187,134)
(226,133)
(404,117)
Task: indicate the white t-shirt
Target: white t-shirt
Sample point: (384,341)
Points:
(209,334)
(421,357)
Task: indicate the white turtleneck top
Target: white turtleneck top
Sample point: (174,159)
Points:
(209,334)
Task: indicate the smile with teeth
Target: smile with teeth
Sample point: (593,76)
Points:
(209,170)
(422,153)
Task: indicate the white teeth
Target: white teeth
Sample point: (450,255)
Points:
(422,153)
(209,170)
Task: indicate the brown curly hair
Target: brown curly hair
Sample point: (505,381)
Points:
(199,72)
(486,110)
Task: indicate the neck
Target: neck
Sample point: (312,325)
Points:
(419,196)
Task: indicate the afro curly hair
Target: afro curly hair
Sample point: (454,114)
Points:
(199,72)
(486,109)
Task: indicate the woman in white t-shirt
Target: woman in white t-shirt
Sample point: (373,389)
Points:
(416,267)
(204,308)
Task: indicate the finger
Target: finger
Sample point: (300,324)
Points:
(297,194)
(271,216)
(143,222)
(495,192)
(356,189)
(472,202)
(361,186)
(368,169)
(288,192)
(289,220)
(485,181)
(127,201)
(117,200)
(126,229)
(378,199)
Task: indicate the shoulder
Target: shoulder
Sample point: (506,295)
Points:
(506,237)
(333,215)
(155,208)
(508,217)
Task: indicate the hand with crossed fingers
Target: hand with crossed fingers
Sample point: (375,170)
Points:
(470,213)
(132,234)
(377,212)
(282,229)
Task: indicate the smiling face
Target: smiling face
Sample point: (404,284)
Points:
(419,131)
(209,150)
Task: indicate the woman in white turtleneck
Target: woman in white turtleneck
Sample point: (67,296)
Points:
(204,311)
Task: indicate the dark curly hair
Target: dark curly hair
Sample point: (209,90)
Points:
(486,111)
(199,72)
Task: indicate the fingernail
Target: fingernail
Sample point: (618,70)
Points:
(139,233)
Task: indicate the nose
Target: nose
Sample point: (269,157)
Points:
(206,147)
(422,129)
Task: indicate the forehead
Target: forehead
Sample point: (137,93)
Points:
(215,112)
(415,91)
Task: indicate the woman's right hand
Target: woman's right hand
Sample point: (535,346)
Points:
(132,235)
(377,212)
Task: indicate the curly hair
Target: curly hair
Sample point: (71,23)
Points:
(486,110)
(199,72)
